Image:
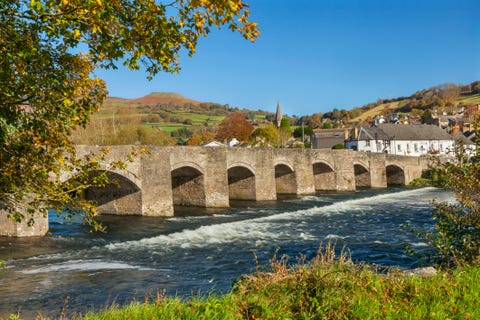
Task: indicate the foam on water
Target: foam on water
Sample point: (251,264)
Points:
(83,265)
(259,230)
(265,229)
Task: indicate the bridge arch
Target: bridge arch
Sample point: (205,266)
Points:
(188,186)
(362,175)
(285,179)
(187,164)
(395,175)
(241,182)
(324,176)
(120,196)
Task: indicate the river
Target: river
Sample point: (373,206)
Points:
(204,250)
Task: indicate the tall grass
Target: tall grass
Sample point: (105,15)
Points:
(328,287)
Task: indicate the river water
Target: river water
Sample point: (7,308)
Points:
(204,250)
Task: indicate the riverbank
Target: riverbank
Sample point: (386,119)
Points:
(324,288)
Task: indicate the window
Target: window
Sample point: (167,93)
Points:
(415,147)
(399,147)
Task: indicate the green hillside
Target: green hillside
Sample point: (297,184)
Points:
(159,118)
(402,106)
(444,99)
(170,118)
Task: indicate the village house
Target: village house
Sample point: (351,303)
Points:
(327,138)
(408,140)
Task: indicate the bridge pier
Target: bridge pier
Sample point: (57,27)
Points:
(378,176)
(157,196)
(216,181)
(9,228)
(265,183)
(303,169)
(344,170)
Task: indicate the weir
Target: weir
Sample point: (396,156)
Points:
(212,176)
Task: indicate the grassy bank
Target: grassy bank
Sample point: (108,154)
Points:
(325,288)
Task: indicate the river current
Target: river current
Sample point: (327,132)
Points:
(203,250)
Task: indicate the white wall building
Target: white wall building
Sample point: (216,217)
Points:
(407,140)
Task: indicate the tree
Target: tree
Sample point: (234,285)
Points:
(305,131)
(457,230)
(267,135)
(234,126)
(199,138)
(284,132)
(426,116)
(49,51)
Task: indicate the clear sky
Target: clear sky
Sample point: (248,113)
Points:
(316,55)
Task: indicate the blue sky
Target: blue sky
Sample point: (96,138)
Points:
(317,55)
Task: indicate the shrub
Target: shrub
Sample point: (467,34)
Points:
(457,230)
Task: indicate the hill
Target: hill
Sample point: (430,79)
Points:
(159,118)
(170,118)
(152,98)
(441,99)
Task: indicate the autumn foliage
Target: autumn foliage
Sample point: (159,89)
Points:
(49,53)
(235,126)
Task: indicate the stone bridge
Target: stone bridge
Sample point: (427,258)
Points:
(210,176)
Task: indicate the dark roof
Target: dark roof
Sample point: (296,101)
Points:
(329,133)
(404,132)
(461,138)
(327,138)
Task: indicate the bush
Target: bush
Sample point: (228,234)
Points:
(457,230)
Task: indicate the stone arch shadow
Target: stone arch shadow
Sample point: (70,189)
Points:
(324,176)
(241,182)
(285,179)
(362,175)
(395,175)
(188,186)
(121,196)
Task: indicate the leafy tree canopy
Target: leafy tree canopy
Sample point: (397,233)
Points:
(234,126)
(49,51)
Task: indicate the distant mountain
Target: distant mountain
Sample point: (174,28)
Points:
(153,99)
(165,97)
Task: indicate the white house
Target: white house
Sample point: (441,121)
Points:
(213,144)
(408,140)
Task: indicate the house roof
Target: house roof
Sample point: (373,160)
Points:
(404,132)
(213,144)
(461,138)
(327,138)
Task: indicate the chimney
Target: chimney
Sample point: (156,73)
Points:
(355,133)
(456,129)
(347,135)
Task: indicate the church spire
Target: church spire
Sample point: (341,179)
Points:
(278,115)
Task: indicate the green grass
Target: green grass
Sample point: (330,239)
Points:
(327,287)
(172,126)
(471,98)
(198,119)
(378,110)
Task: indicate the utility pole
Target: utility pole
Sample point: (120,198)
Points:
(303,135)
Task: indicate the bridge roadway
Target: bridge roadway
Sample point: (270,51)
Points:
(210,176)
